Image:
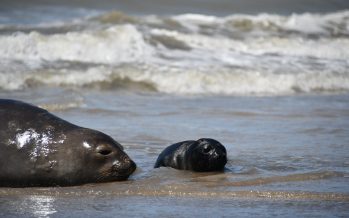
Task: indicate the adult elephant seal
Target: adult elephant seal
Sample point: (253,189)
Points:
(39,149)
(202,155)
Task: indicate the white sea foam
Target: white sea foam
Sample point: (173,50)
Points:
(242,82)
(114,45)
(213,80)
(325,48)
(189,61)
(307,23)
(126,43)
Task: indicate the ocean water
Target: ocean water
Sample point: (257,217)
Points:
(268,79)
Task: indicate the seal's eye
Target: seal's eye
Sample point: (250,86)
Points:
(207,149)
(104,150)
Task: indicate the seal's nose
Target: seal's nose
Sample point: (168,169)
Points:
(128,166)
(132,167)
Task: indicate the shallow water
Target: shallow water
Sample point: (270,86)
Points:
(268,81)
(287,155)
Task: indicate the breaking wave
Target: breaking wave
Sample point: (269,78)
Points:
(181,81)
(185,54)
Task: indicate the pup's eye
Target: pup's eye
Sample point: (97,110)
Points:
(104,150)
(207,149)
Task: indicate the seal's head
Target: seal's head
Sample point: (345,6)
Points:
(38,148)
(99,159)
(207,155)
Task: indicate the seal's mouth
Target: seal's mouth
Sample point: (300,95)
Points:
(120,178)
(219,164)
(124,170)
(112,176)
(117,172)
(117,175)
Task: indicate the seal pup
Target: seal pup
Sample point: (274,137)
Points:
(203,155)
(38,148)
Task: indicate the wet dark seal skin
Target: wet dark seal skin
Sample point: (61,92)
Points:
(203,155)
(39,149)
